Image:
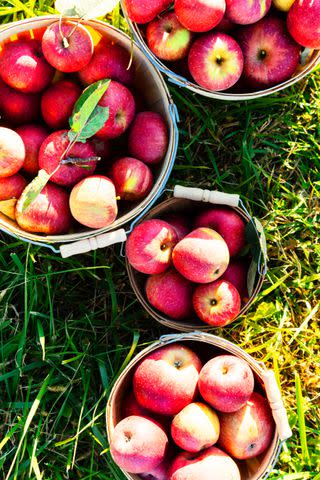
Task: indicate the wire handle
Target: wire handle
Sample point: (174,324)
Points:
(93,243)
(209,196)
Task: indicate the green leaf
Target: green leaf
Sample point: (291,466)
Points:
(32,190)
(98,118)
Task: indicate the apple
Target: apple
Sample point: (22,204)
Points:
(167,38)
(133,179)
(227,223)
(130,406)
(236,274)
(196,427)
(270,55)
(12,152)
(151,127)
(179,223)
(215,61)
(143,11)
(16,107)
(67,46)
(158,473)
(246,12)
(49,213)
(225,25)
(57,103)
(303,23)
(165,381)
(171,294)
(283,5)
(109,60)
(33,136)
(199,15)
(53,149)
(247,432)
(149,247)
(201,256)
(217,303)
(138,444)
(209,464)
(121,106)
(226,382)
(23,66)
(93,202)
(12,187)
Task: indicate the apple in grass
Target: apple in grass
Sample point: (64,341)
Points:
(201,256)
(153,129)
(217,303)
(12,152)
(67,46)
(12,187)
(226,382)
(138,444)
(199,15)
(33,136)
(245,12)
(215,61)
(132,179)
(171,294)
(247,432)
(303,23)
(236,274)
(16,107)
(271,56)
(165,381)
(167,38)
(143,11)
(227,223)
(57,103)
(149,247)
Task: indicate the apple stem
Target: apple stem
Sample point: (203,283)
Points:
(178,364)
(75,160)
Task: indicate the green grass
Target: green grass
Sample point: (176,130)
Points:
(68,326)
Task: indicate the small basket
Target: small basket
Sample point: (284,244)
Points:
(208,346)
(150,82)
(196,200)
(308,62)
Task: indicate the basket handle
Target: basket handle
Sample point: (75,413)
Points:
(209,196)
(278,410)
(93,243)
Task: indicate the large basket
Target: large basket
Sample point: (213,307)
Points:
(150,82)
(309,60)
(208,346)
(191,200)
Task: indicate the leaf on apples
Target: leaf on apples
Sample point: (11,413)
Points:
(34,188)
(86,9)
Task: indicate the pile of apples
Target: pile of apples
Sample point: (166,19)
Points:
(41,78)
(178,411)
(223,44)
(195,265)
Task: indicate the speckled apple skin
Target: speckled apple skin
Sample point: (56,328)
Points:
(18,108)
(245,12)
(12,187)
(57,103)
(200,15)
(33,136)
(236,274)
(143,11)
(12,152)
(303,23)
(132,179)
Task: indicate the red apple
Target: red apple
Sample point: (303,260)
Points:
(270,55)
(196,427)
(200,15)
(52,151)
(49,213)
(236,274)
(133,179)
(215,61)
(12,187)
(109,61)
(130,406)
(228,223)
(303,23)
(143,11)
(226,382)
(57,103)
(121,106)
(201,256)
(23,66)
(207,465)
(158,473)
(165,381)
(247,432)
(33,136)
(217,303)
(12,152)
(245,12)
(16,107)
(149,247)
(171,294)
(151,127)
(138,444)
(67,46)
(179,223)
(93,202)
(167,38)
